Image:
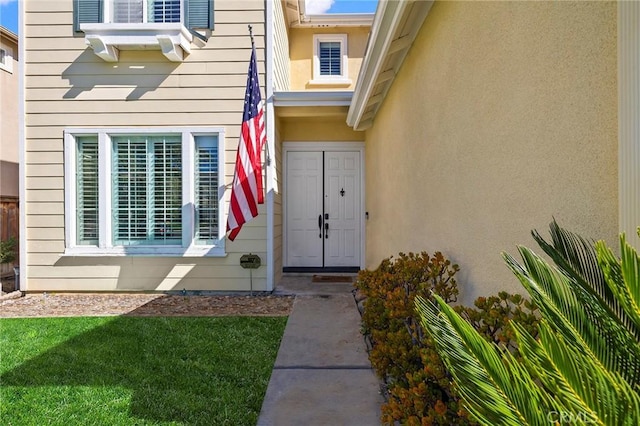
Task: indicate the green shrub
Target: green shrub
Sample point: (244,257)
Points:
(495,312)
(419,389)
(8,250)
(584,366)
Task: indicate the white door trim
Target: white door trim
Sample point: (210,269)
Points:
(323,146)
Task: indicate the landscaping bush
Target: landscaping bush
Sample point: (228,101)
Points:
(584,367)
(418,387)
(8,250)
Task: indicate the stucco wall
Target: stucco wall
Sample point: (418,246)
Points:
(67,85)
(503,116)
(301,55)
(320,129)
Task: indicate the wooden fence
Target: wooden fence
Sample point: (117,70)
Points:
(9,227)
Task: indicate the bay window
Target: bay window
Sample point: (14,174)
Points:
(171,26)
(144,192)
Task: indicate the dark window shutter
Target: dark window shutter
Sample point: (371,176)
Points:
(199,14)
(86,12)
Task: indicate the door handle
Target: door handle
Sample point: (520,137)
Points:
(326,230)
(320,225)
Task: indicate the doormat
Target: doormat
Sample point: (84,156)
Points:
(332,279)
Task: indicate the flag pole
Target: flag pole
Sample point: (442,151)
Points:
(253,48)
(251,35)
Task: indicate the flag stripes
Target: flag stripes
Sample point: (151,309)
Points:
(247,190)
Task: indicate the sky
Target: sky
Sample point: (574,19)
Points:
(9,9)
(9,14)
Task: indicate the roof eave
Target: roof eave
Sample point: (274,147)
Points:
(7,34)
(395,26)
(337,20)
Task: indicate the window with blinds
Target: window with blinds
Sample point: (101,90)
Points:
(87,190)
(206,197)
(330,60)
(140,11)
(165,11)
(147,190)
(330,56)
(144,191)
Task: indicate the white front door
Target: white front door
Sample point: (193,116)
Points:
(323,209)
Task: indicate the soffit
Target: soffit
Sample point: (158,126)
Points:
(297,16)
(395,27)
(312,103)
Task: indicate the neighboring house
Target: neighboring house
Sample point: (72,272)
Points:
(452,126)
(9,137)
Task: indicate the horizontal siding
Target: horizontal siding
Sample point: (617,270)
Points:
(221,7)
(53,32)
(228,42)
(68,86)
(136,284)
(123,119)
(145,270)
(46,233)
(281,48)
(118,93)
(83,82)
(38,208)
(221,54)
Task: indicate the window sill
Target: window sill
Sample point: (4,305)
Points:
(193,251)
(106,40)
(336,82)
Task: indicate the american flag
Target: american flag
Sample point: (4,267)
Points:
(246,190)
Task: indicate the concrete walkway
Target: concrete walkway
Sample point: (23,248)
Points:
(322,375)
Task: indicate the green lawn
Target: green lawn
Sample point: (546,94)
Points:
(136,370)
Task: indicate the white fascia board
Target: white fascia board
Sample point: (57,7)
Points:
(384,27)
(337,20)
(383,43)
(271,171)
(6,34)
(309,98)
(22,150)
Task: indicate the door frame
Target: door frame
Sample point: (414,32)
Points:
(299,146)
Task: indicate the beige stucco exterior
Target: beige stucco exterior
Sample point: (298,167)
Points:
(9,116)
(301,56)
(502,117)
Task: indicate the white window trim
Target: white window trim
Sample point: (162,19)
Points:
(105,246)
(334,80)
(7,65)
(107,38)
(108,12)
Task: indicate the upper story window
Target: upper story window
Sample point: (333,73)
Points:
(169,25)
(330,58)
(6,59)
(146,11)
